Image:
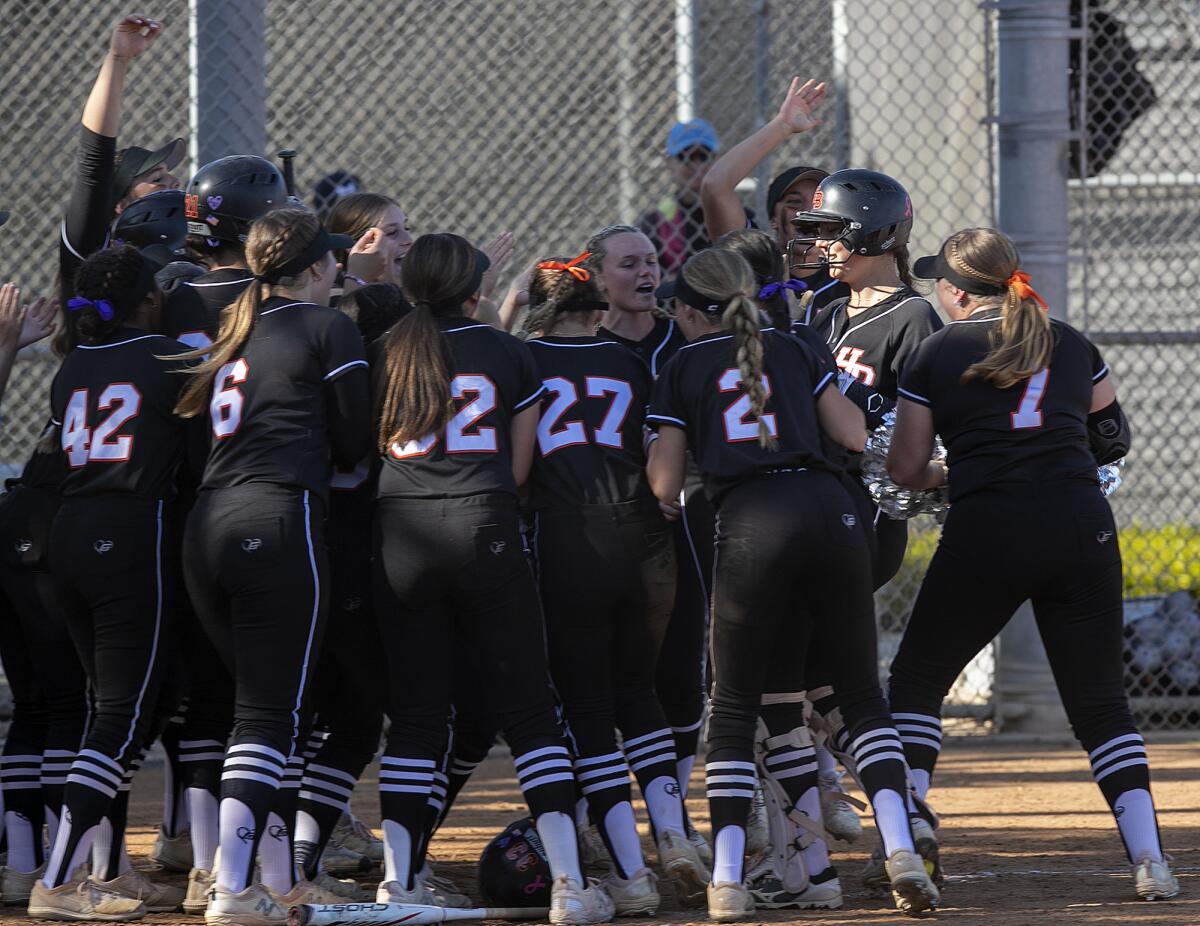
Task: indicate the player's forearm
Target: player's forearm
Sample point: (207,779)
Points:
(102,113)
(722,209)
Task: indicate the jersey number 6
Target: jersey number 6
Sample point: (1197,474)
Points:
(82,444)
(225,409)
(575,432)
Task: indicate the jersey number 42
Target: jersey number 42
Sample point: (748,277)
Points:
(103,443)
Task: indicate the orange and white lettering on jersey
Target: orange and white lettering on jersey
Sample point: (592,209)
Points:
(848,359)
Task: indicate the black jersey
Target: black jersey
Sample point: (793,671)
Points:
(874,345)
(1031,433)
(291,402)
(493,378)
(657,347)
(84,229)
(589,443)
(192,312)
(700,391)
(115,402)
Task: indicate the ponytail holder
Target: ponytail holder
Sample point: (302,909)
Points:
(572,267)
(102,306)
(1019,283)
(770,289)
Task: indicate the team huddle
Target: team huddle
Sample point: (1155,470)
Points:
(306,484)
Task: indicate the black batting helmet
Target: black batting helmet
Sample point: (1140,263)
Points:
(869,212)
(155,219)
(227,195)
(513,869)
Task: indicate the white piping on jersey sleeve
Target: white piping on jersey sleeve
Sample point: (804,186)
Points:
(343,368)
(525,403)
(899,305)
(56,422)
(227,283)
(1103,373)
(820,387)
(667,419)
(142,337)
(70,247)
(912,396)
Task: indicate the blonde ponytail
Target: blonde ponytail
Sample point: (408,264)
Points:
(274,239)
(1023,341)
(725,277)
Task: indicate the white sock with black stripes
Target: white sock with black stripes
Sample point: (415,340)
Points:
(405,786)
(275,855)
(651,757)
(1121,769)
(437,796)
(604,783)
(879,759)
(891,819)
(921,735)
(729,784)
(729,852)
(397,853)
(251,772)
(557,832)
(546,779)
(21,776)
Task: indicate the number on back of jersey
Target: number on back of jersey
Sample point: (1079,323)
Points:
(554,434)
(104,443)
(462,434)
(740,423)
(227,403)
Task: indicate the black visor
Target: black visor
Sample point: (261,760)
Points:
(936,267)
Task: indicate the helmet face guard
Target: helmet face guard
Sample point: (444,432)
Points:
(811,227)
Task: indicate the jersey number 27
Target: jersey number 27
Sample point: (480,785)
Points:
(83,444)
(565,395)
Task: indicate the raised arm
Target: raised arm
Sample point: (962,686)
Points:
(722,209)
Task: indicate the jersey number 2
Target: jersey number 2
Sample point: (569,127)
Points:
(1029,412)
(575,432)
(83,444)
(740,424)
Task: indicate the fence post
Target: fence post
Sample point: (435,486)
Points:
(228,77)
(1033,123)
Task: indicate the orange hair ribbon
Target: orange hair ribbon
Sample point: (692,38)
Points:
(572,267)
(1019,282)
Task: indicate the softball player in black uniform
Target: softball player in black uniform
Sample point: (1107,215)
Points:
(1027,408)
(790,550)
(626,264)
(606,568)
(457,427)
(284,387)
(113,399)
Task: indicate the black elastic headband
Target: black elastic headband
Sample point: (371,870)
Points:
(697,300)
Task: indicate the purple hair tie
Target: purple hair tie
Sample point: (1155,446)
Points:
(102,306)
(770,289)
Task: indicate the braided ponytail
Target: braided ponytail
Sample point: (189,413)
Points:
(725,277)
(274,239)
(111,285)
(559,286)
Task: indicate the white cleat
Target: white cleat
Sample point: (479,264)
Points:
(636,895)
(351,833)
(681,865)
(200,884)
(136,885)
(1154,880)
(729,902)
(82,900)
(758,830)
(254,906)
(912,888)
(696,838)
(16,886)
(174,853)
(593,854)
(823,892)
(572,904)
(395,892)
(837,812)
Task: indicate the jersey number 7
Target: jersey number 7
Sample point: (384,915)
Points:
(1029,411)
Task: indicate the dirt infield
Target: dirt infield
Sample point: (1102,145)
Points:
(1026,839)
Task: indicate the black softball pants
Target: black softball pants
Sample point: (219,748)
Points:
(1056,546)
(791,552)
(258,575)
(110,559)
(455,569)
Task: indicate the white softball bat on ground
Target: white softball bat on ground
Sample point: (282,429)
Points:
(395,914)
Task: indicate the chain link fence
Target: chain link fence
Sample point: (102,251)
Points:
(549,119)
(1135,205)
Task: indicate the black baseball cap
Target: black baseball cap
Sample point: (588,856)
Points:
(136,161)
(789,178)
(937,267)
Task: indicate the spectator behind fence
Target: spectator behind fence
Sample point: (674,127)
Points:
(676,226)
